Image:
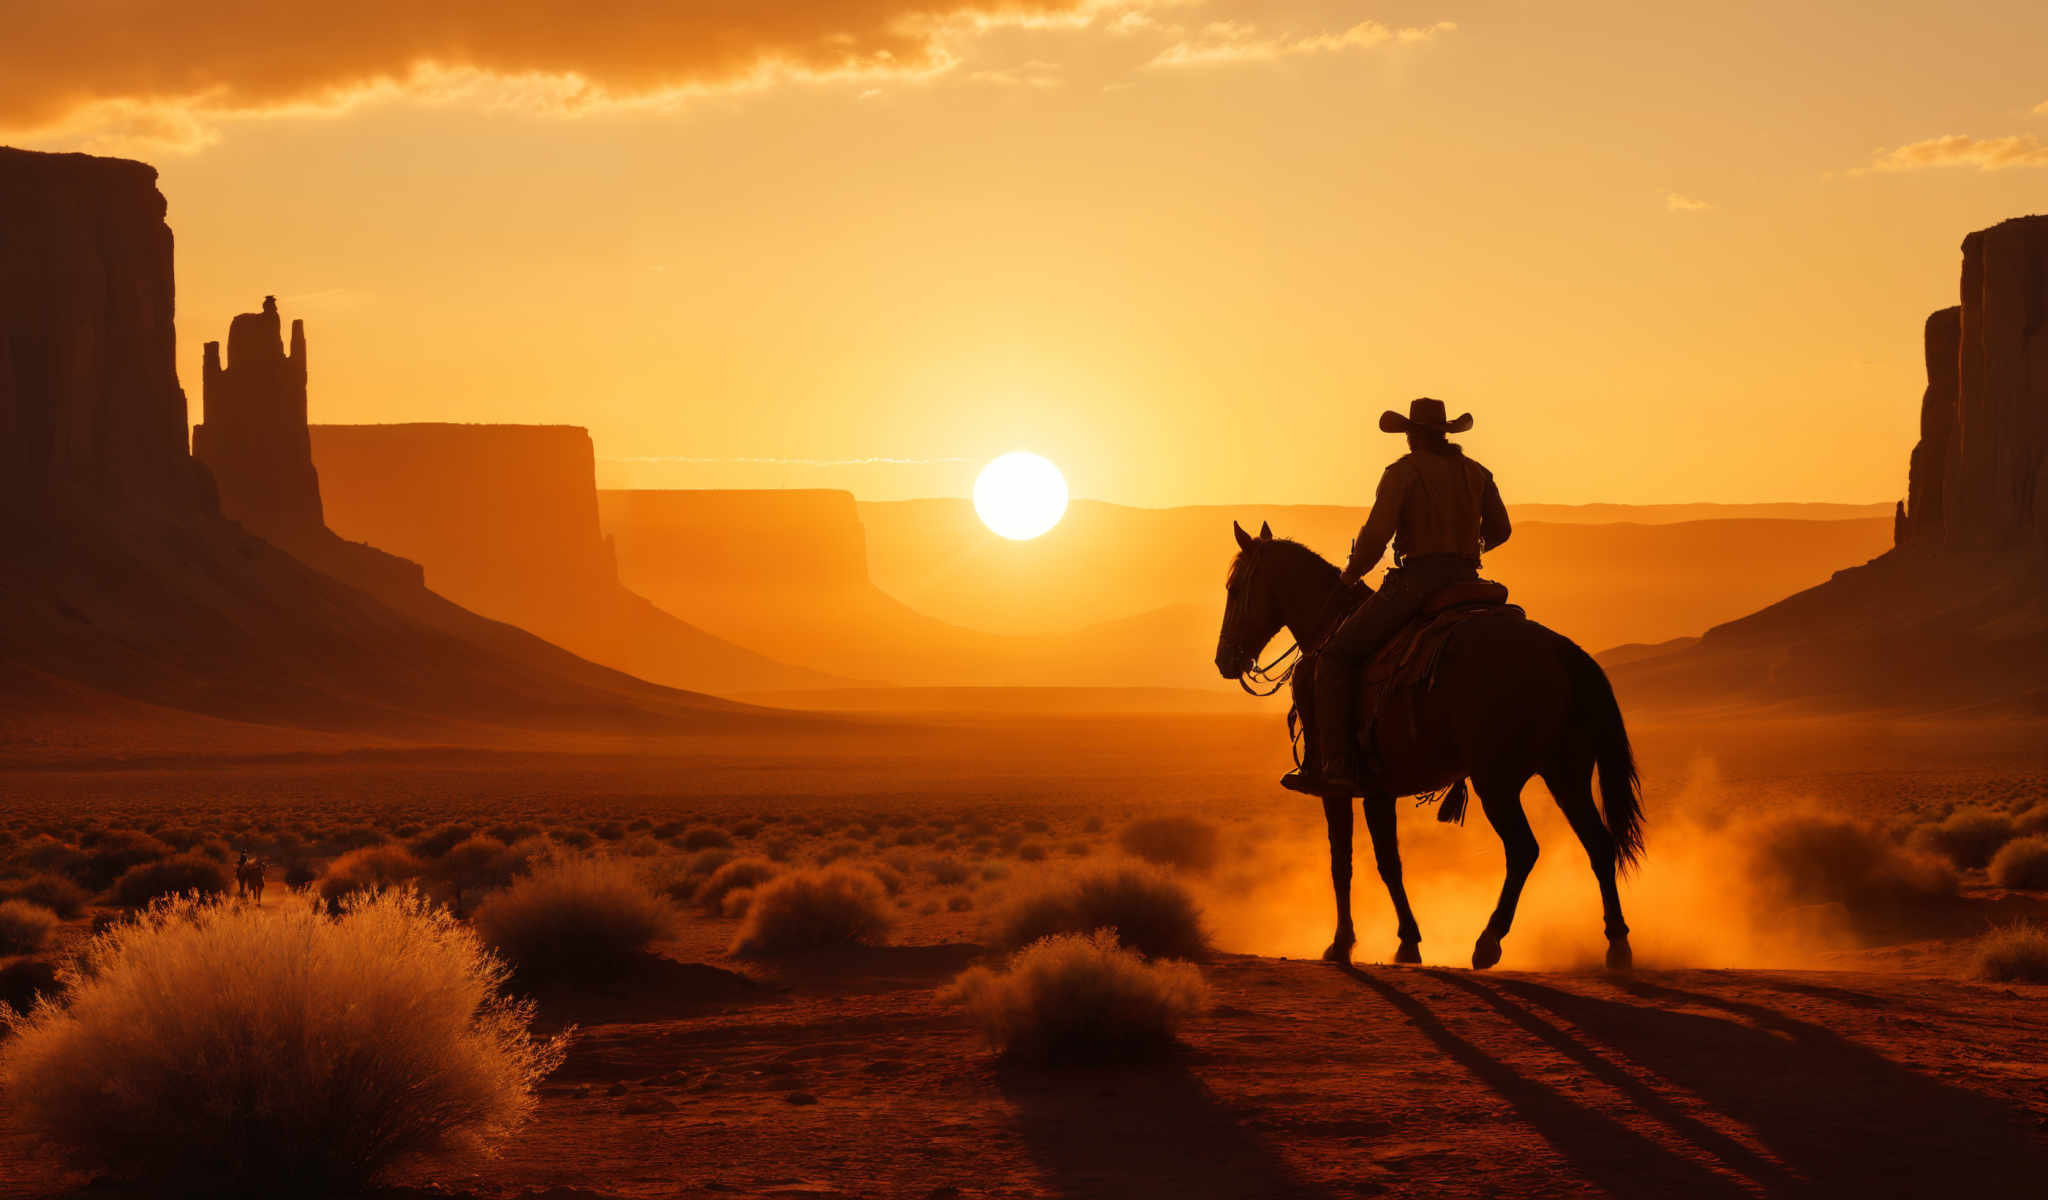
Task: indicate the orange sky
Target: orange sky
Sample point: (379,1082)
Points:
(1186,250)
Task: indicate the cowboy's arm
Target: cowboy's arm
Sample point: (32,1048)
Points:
(1371,543)
(1494,528)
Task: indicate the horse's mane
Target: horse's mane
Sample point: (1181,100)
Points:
(1287,547)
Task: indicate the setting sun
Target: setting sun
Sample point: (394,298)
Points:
(1020,495)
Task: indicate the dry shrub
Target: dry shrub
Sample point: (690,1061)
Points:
(946,870)
(1829,860)
(2031,821)
(1183,843)
(812,910)
(179,874)
(22,980)
(53,892)
(1081,998)
(1968,837)
(1149,911)
(483,863)
(437,842)
(112,854)
(2016,952)
(1032,852)
(2022,864)
(737,875)
(299,875)
(575,839)
(24,927)
(228,1048)
(576,916)
(369,869)
(45,853)
(706,837)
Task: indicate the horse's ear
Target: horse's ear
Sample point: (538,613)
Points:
(1244,540)
(1265,531)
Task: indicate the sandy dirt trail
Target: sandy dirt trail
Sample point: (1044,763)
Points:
(1309,1080)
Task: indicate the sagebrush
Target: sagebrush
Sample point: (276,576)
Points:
(211,1047)
(1081,998)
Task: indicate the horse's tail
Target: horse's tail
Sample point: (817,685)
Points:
(1596,718)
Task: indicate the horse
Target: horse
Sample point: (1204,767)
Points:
(1508,700)
(249,878)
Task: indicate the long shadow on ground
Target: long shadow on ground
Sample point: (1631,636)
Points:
(1842,1117)
(1602,1150)
(1150,1130)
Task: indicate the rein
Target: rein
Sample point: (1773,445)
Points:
(1273,675)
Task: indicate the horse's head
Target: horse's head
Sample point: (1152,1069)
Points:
(1251,609)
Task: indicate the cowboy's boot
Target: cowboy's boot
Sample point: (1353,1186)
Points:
(1307,775)
(1336,689)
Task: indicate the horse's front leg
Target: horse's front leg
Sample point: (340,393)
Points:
(1386,852)
(1337,811)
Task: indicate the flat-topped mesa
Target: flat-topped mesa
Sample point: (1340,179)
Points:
(253,435)
(1979,478)
(90,408)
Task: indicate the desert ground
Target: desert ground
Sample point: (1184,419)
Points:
(1802,1020)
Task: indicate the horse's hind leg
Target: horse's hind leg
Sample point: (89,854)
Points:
(1337,811)
(1573,790)
(1386,853)
(1501,797)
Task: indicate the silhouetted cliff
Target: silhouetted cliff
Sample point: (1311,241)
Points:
(90,407)
(255,443)
(505,520)
(253,434)
(1976,479)
(1955,616)
(127,591)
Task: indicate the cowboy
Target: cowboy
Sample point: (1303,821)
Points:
(1440,509)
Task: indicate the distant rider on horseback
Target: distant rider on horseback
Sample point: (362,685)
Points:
(1440,509)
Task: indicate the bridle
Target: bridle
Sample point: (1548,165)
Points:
(1274,674)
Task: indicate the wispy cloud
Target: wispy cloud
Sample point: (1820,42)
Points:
(143,70)
(2041,109)
(1962,150)
(1673,202)
(1225,42)
(1038,73)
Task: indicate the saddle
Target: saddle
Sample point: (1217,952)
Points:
(1406,666)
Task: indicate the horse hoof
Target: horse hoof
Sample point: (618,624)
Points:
(1407,952)
(1485,952)
(1619,957)
(1339,952)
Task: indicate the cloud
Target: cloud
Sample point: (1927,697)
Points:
(1038,73)
(1962,150)
(115,67)
(1673,202)
(1225,42)
(2041,109)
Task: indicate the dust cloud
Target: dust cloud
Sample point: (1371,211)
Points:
(1724,885)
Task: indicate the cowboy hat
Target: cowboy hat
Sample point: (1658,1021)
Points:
(1423,414)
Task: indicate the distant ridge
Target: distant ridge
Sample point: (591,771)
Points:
(124,581)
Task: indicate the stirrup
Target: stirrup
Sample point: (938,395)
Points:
(1302,779)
